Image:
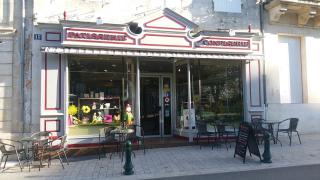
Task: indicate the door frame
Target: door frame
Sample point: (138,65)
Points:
(160,76)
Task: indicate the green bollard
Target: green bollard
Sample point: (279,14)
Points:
(128,166)
(266,154)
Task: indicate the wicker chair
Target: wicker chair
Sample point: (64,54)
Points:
(10,147)
(54,148)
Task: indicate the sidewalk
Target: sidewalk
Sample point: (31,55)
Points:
(177,161)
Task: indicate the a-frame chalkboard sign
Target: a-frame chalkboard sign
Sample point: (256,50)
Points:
(246,139)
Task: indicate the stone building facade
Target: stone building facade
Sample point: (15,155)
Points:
(11,65)
(291,39)
(270,88)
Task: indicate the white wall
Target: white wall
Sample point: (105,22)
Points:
(110,11)
(311,67)
(283,69)
(5,86)
(271,69)
(200,12)
(308,114)
(308,109)
(10,67)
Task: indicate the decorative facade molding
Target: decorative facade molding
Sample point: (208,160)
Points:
(303,9)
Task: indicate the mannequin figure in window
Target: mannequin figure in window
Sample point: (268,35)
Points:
(128,117)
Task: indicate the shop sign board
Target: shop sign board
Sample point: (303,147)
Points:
(110,38)
(224,43)
(97,36)
(162,33)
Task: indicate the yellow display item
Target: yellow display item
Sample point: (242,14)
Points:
(86,109)
(116,117)
(72,110)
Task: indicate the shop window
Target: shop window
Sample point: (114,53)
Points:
(232,6)
(152,65)
(216,87)
(99,89)
(181,93)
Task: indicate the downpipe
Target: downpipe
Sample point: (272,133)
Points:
(22,66)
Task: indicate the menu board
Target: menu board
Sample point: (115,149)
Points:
(246,139)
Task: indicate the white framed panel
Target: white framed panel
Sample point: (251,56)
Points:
(290,76)
(52,84)
(254,79)
(53,124)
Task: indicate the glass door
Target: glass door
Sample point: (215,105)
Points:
(150,105)
(155,105)
(166,104)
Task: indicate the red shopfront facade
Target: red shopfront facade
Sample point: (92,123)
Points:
(162,67)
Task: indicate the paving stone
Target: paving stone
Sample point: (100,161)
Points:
(175,161)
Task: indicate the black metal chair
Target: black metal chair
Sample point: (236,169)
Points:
(107,138)
(257,125)
(293,124)
(137,137)
(203,131)
(225,131)
(40,146)
(9,147)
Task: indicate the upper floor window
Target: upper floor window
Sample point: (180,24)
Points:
(233,6)
(6,14)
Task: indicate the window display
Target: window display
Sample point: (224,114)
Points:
(99,87)
(216,91)
(181,91)
(98,110)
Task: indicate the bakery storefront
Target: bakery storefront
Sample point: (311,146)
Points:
(156,72)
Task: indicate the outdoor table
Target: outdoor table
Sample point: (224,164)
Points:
(27,145)
(122,133)
(270,128)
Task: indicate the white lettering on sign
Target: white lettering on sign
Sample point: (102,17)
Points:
(97,36)
(224,43)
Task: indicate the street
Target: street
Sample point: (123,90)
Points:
(309,172)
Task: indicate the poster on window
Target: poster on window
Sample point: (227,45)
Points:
(186,118)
